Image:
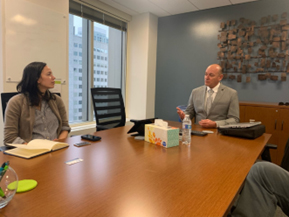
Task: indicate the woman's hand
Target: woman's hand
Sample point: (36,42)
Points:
(63,135)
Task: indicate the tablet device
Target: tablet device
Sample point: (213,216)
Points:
(139,126)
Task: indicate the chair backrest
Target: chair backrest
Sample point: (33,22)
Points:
(4,100)
(108,107)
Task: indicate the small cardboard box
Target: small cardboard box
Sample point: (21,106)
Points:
(163,136)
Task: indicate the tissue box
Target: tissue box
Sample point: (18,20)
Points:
(163,136)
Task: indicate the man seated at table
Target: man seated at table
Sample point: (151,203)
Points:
(266,186)
(213,104)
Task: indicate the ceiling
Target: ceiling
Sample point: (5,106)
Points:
(163,8)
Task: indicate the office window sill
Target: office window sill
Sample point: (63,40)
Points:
(82,128)
(87,127)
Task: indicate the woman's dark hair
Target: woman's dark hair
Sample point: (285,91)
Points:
(29,86)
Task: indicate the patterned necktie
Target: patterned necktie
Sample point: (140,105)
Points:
(209,100)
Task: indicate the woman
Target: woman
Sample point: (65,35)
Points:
(35,113)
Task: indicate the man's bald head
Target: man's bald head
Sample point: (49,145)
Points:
(216,67)
(213,75)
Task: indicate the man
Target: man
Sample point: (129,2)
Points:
(266,186)
(213,104)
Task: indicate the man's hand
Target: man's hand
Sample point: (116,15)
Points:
(180,113)
(207,123)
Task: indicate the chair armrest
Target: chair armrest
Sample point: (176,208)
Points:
(271,146)
(266,153)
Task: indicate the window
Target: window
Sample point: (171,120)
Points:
(84,73)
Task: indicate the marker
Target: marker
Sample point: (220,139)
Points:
(2,193)
(3,170)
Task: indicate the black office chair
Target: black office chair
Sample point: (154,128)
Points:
(4,100)
(108,108)
(5,97)
(285,159)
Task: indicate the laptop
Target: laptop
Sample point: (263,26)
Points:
(242,125)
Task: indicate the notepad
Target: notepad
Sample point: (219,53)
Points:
(35,148)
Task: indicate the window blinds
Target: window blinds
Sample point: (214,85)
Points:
(97,16)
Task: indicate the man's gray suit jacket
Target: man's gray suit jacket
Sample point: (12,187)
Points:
(224,110)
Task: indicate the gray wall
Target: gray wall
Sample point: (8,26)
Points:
(187,44)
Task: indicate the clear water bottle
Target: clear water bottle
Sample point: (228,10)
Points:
(186,131)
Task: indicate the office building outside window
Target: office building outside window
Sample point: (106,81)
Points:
(106,47)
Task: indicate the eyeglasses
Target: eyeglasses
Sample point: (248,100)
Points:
(283,103)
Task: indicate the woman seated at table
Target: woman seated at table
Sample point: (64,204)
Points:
(35,113)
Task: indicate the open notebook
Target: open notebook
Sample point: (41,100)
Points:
(35,148)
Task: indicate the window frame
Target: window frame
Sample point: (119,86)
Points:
(88,60)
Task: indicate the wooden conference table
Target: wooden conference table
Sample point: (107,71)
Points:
(121,176)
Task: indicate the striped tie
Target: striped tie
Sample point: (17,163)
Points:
(209,100)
